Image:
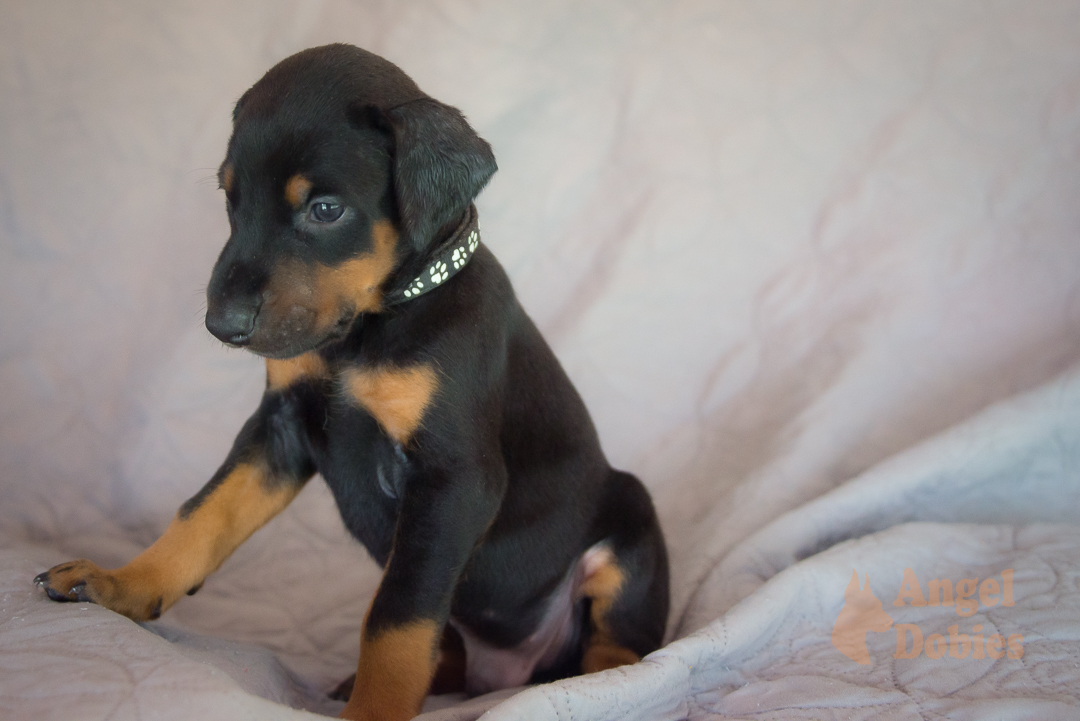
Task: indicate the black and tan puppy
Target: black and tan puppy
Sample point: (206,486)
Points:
(401,368)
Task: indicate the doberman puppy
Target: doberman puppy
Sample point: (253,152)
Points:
(400,367)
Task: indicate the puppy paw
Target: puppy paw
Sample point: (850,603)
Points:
(84,581)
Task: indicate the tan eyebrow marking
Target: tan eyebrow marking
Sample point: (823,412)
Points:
(296,190)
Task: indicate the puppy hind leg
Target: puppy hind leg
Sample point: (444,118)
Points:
(604,580)
(450,665)
(626,580)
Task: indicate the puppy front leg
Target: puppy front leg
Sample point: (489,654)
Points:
(265,470)
(437,530)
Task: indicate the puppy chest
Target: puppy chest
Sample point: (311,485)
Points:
(366,471)
(397,396)
(360,420)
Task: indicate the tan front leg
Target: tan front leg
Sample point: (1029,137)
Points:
(193,546)
(394,673)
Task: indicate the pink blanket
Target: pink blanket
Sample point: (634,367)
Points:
(775,245)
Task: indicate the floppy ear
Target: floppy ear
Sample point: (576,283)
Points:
(440,164)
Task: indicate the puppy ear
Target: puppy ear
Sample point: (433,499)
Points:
(440,164)
(240,104)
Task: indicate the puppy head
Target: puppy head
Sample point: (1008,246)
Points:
(340,176)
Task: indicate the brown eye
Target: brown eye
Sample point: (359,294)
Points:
(326,212)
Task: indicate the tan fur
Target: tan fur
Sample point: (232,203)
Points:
(395,670)
(357,281)
(320,296)
(602,584)
(296,191)
(281,374)
(190,549)
(396,397)
(228,175)
(602,653)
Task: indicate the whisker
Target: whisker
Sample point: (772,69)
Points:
(206,179)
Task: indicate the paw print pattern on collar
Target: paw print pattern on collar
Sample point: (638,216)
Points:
(452,257)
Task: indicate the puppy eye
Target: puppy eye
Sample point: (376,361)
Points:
(326,212)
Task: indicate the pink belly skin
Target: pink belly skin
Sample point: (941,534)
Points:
(489,669)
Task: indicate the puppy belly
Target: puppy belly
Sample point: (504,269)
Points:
(488,668)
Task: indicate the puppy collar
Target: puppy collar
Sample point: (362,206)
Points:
(453,255)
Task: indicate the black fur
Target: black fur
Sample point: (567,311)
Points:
(483,511)
(440,165)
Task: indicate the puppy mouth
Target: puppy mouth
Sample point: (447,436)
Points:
(290,338)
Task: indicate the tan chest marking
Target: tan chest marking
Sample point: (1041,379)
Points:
(396,397)
(281,374)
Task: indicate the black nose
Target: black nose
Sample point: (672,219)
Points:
(233,323)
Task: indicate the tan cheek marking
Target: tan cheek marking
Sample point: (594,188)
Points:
(283,373)
(318,296)
(355,283)
(397,398)
(604,581)
(296,190)
(394,673)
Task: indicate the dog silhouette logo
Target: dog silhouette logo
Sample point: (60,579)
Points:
(862,612)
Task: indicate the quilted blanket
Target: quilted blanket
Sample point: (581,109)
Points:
(814,267)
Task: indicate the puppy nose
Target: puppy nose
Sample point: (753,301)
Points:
(234,323)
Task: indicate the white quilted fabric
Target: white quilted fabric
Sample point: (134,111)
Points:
(781,248)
